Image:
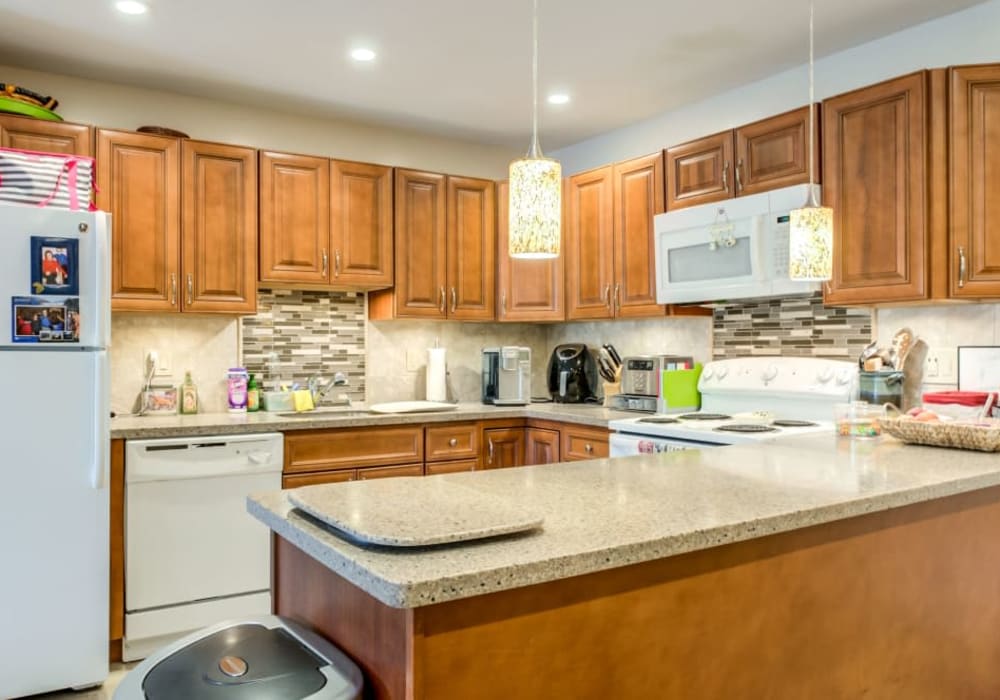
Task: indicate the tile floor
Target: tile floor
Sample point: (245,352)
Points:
(105,692)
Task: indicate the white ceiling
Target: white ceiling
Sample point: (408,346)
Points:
(458,68)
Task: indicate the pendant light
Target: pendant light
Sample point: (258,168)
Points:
(535,207)
(810,232)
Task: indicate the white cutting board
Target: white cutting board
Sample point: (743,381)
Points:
(412,511)
(412,407)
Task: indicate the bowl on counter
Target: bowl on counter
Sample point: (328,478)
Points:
(858,419)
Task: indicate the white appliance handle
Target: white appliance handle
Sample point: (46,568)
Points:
(102,238)
(102,424)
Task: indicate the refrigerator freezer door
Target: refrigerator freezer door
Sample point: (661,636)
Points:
(17,226)
(54,522)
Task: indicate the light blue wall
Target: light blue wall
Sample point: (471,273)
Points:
(969,36)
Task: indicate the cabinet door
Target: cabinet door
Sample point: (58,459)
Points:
(471,248)
(589,245)
(50,137)
(638,198)
(388,472)
(420,245)
(294,218)
(541,446)
(875,178)
(700,171)
(219,232)
(361,211)
(319,450)
(975,181)
(504,447)
(527,290)
(579,442)
(292,481)
(138,180)
(460,465)
(774,152)
(451,441)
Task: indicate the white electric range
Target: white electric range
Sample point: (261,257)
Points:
(745,400)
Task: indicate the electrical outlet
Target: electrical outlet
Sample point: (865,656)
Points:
(939,367)
(163,367)
(156,364)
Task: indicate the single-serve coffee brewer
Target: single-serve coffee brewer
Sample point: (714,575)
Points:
(572,374)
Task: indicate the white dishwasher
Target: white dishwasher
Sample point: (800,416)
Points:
(193,555)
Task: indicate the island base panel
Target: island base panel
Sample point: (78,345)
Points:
(900,603)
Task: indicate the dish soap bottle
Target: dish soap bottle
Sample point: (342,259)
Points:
(189,395)
(253,394)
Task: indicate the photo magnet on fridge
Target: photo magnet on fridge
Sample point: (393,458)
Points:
(54,266)
(44,320)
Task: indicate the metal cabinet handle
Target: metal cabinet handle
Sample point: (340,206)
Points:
(503,302)
(326,262)
(961,267)
(454,300)
(190,296)
(725,176)
(173,289)
(441,298)
(453,442)
(739,177)
(609,301)
(489,451)
(588,448)
(618,299)
(336,263)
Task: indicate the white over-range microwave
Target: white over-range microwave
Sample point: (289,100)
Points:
(735,249)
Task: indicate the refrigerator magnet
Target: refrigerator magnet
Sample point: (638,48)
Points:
(54,265)
(41,320)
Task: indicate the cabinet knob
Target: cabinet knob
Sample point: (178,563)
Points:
(588,447)
(453,442)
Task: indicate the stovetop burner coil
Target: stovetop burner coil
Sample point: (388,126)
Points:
(704,416)
(746,428)
(792,423)
(659,420)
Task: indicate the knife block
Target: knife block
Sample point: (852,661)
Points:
(610,389)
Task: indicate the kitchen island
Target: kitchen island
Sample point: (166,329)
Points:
(809,567)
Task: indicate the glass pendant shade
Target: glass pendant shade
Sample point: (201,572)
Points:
(810,243)
(535,208)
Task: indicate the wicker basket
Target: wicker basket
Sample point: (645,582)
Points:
(965,436)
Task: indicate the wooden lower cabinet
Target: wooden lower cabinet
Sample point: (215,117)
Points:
(458,465)
(503,447)
(581,442)
(293,481)
(116,597)
(451,441)
(541,446)
(323,450)
(387,472)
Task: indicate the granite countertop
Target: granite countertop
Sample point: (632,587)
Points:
(133,427)
(608,513)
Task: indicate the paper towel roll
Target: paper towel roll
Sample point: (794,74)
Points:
(436,369)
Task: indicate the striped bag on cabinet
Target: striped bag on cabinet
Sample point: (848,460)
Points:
(46,179)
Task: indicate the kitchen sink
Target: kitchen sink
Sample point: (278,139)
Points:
(332,411)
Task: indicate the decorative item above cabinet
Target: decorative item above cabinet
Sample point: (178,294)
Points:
(764,155)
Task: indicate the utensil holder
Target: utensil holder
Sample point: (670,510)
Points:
(610,389)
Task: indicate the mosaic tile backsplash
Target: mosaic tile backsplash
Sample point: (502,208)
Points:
(300,334)
(796,326)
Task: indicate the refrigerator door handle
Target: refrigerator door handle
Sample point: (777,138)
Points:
(102,234)
(102,426)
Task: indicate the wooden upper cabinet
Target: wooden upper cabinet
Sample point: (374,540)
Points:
(638,189)
(975,181)
(471,248)
(50,137)
(294,218)
(138,183)
(420,214)
(700,171)
(219,228)
(875,177)
(774,152)
(527,290)
(361,224)
(589,239)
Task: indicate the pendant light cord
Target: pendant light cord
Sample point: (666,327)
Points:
(534,151)
(812,116)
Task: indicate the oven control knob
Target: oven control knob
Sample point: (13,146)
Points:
(825,375)
(708,373)
(843,376)
(770,373)
(721,373)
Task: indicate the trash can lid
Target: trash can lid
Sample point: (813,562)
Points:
(244,662)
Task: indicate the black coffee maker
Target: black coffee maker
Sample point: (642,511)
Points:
(572,373)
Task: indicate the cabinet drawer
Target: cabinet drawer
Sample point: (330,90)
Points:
(583,443)
(461,465)
(454,441)
(291,482)
(386,472)
(317,450)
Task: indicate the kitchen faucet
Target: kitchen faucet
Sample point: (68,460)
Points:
(319,388)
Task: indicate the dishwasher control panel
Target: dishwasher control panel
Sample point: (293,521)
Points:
(203,456)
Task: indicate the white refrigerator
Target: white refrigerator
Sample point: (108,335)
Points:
(55,421)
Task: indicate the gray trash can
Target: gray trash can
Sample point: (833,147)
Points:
(259,658)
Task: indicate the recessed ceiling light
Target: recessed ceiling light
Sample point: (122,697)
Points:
(558,98)
(131,7)
(363,55)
